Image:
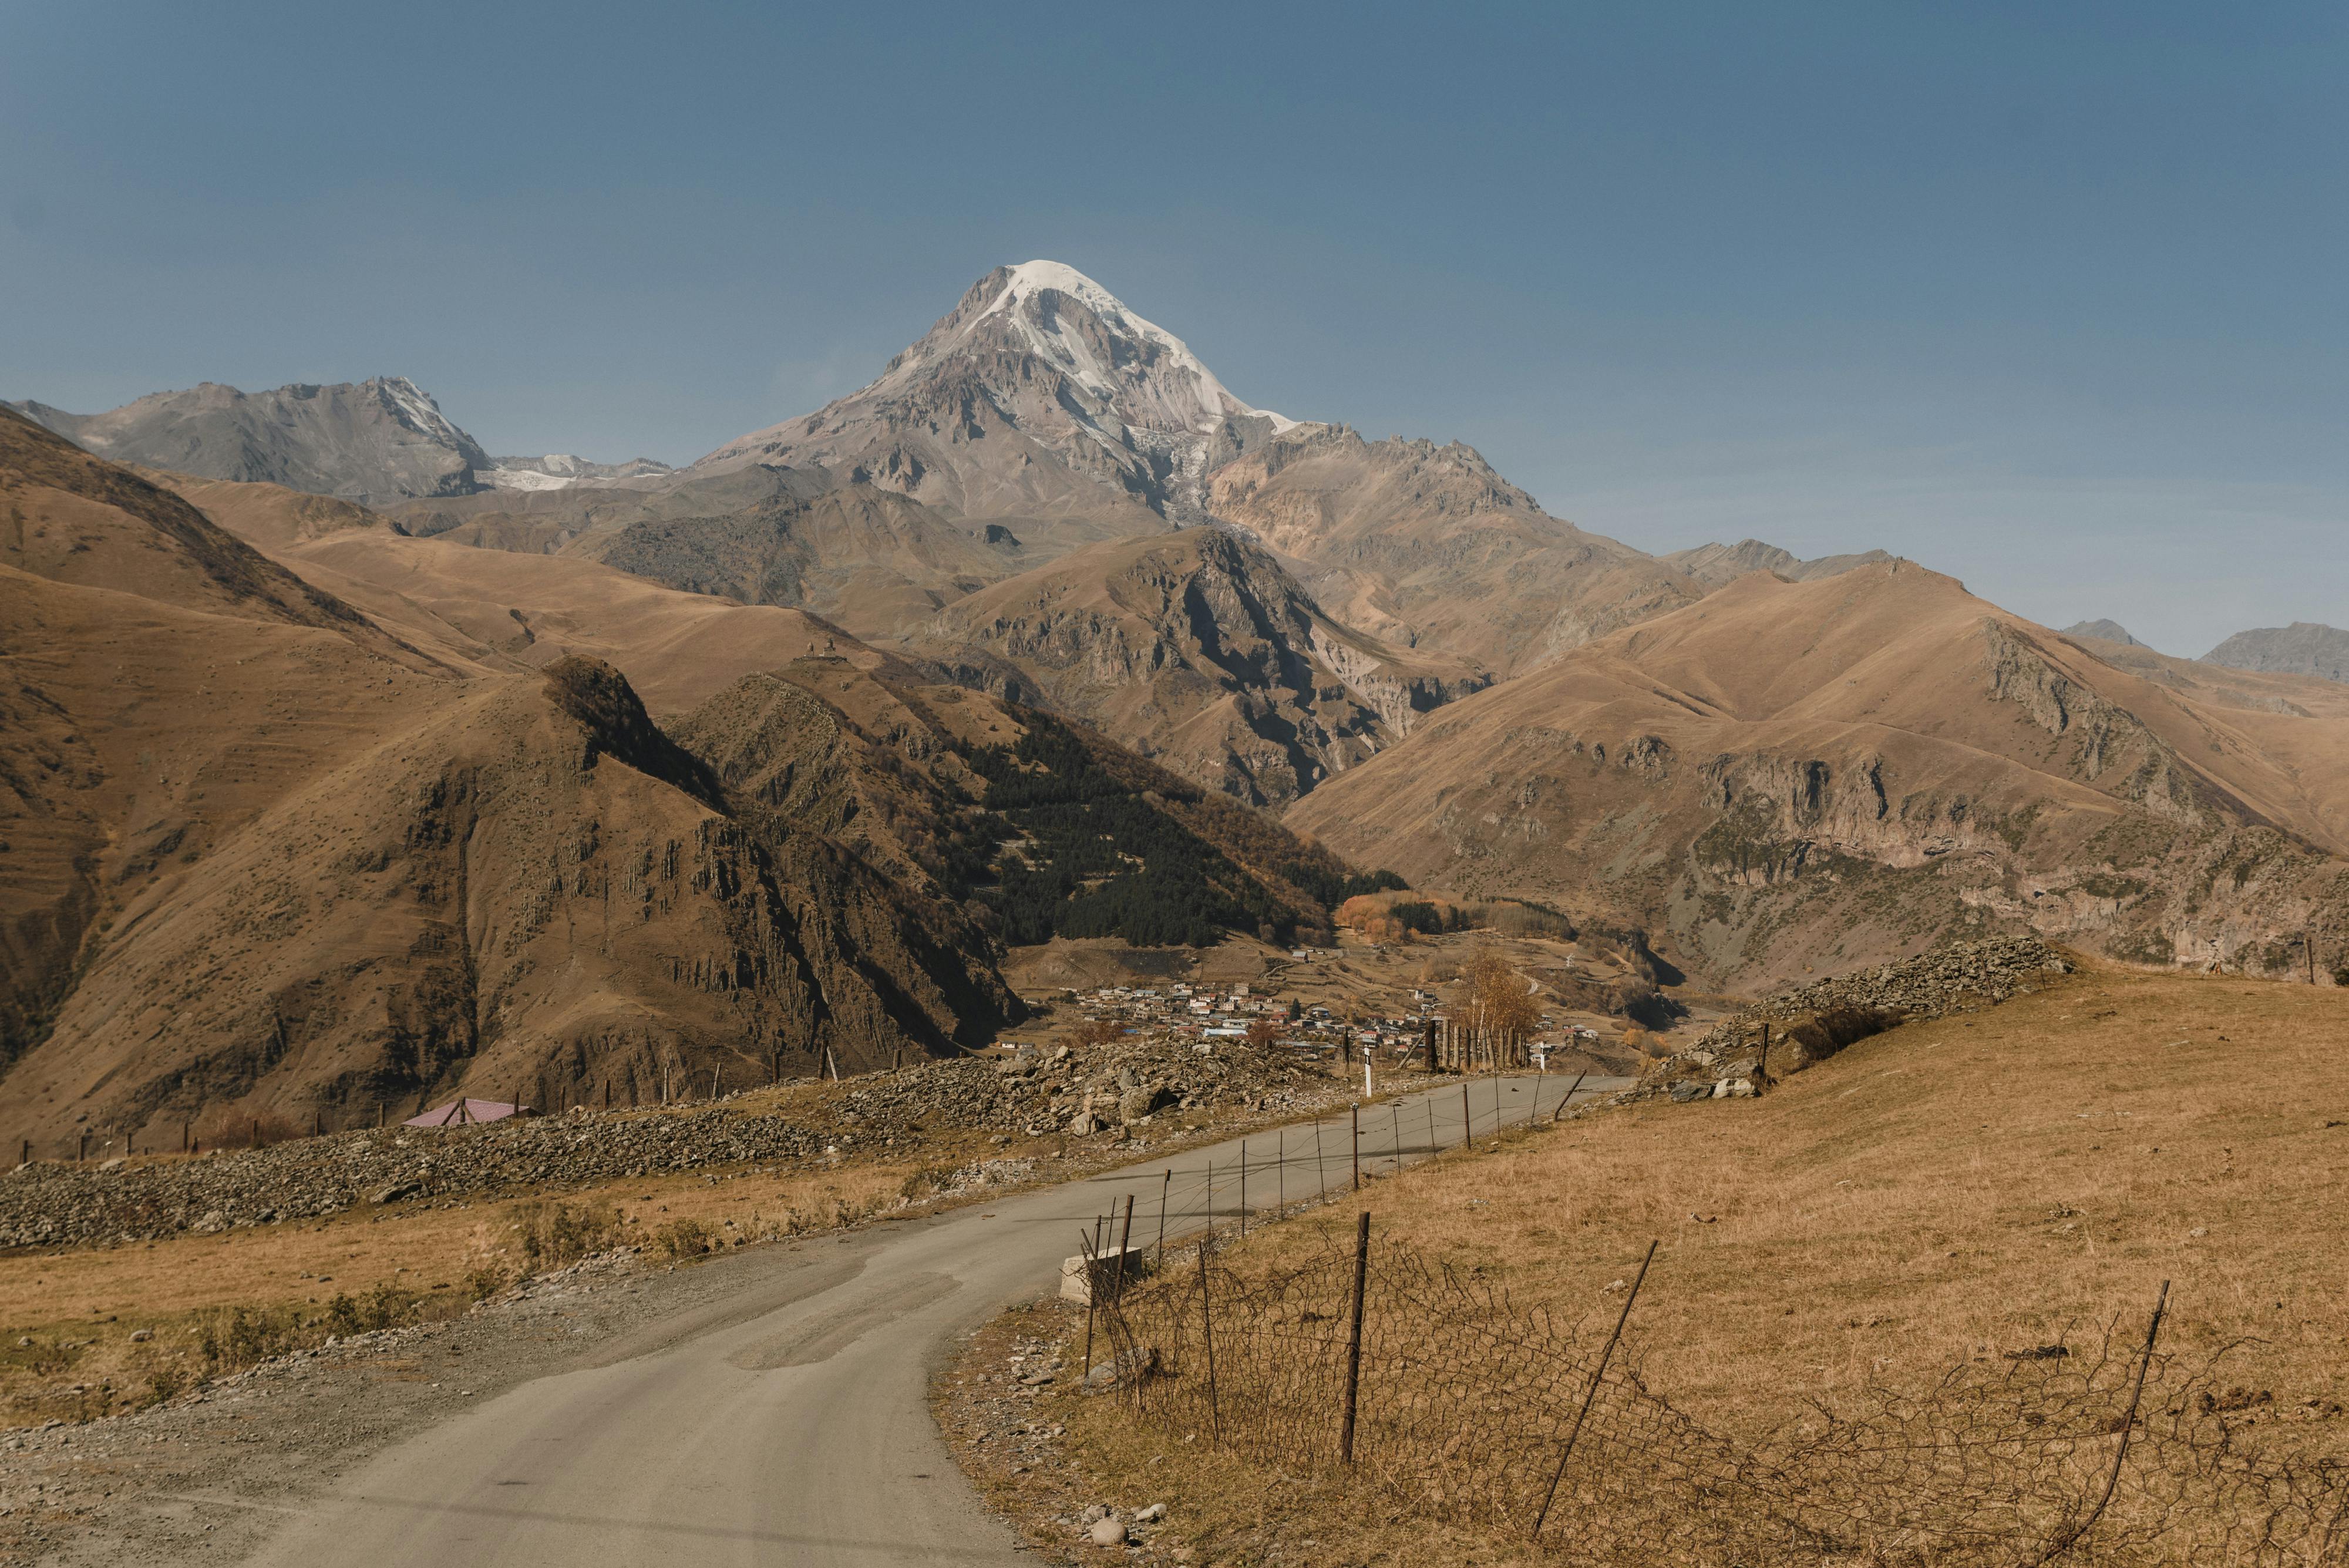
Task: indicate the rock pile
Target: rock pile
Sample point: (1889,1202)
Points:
(1079,1092)
(1813,1022)
(1961,977)
(1084,1091)
(49,1204)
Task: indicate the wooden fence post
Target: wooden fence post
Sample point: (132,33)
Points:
(1354,1336)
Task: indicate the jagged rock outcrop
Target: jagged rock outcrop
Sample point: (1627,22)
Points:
(1196,649)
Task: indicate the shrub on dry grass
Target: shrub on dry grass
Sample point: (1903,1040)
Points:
(554,1234)
(683,1238)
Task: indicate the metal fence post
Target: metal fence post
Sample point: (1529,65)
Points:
(1467,1121)
(1591,1393)
(1358,1148)
(1207,1339)
(1117,1284)
(1565,1103)
(1093,1266)
(1354,1336)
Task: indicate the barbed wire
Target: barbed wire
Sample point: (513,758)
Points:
(1474,1409)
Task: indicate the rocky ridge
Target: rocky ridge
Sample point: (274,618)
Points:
(1198,651)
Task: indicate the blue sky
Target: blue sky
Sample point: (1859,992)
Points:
(2049,297)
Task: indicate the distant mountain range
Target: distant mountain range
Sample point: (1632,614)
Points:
(1050,506)
(373,441)
(2304,647)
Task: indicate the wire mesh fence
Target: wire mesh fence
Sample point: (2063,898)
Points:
(1468,1407)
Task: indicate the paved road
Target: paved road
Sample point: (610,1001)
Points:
(792,1424)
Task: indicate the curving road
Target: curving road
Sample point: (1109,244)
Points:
(790,1423)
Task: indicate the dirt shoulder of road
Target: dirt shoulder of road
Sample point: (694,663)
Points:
(208,1476)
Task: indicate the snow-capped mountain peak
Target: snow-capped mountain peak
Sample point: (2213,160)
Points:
(1091,392)
(1064,345)
(415,408)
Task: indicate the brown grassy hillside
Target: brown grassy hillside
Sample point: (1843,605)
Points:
(1792,775)
(257,853)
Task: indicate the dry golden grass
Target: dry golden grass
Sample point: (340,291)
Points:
(78,1309)
(1946,1191)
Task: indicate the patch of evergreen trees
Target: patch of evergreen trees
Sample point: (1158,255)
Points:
(1096,858)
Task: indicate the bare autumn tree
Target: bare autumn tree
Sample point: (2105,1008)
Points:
(1262,1033)
(1495,998)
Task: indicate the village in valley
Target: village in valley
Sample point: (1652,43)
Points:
(1387,1002)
